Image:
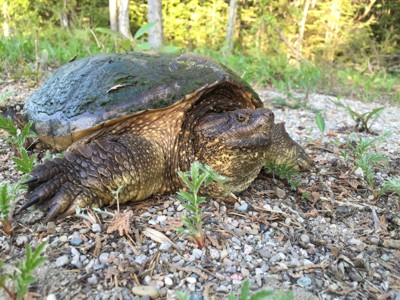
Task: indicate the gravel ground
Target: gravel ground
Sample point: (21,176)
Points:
(336,243)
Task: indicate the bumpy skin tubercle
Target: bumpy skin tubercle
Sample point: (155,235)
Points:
(89,173)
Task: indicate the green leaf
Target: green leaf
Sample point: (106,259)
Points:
(106,31)
(145,28)
(261,295)
(320,122)
(245,290)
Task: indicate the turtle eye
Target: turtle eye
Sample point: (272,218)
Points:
(242,118)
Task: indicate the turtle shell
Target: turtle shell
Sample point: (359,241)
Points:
(86,94)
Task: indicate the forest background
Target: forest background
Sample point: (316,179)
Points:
(340,47)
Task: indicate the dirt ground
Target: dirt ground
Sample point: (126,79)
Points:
(329,239)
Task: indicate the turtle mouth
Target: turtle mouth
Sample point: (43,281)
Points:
(256,141)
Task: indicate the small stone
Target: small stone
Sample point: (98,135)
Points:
(168,281)
(248,249)
(279,193)
(294,263)
(305,282)
(51,228)
(385,257)
(245,272)
(305,238)
(214,253)
(196,296)
(62,261)
(144,290)
(63,238)
(197,253)
(244,207)
(165,246)
(141,259)
(374,240)
(51,297)
(103,257)
(191,280)
(224,254)
(277,257)
(180,207)
(21,240)
(359,172)
(93,280)
(96,227)
(76,241)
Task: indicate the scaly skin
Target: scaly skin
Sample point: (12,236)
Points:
(142,156)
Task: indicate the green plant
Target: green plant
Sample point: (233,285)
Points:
(5,200)
(24,164)
(246,294)
(22,276)
(17,137)
(363,121)
(182,295)
(319,119)
(367,162)
(393,184)
(284,172)
(199,176)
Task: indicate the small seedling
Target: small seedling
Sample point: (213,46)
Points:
(22,276)
(17,137)
(5,200)
(246,294)
(284,172)
(363,121)
(393,184)
(319,119)
(367,162)
(25,164)
(199,176)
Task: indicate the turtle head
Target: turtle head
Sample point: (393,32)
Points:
(233,144)
(237,144)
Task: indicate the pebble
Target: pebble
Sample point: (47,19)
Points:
(244,207)
(196,296)
(197,253)
(63,238)
(93,280)
(305,238)
(96,227)
(76,241)
(165,246)
(144,290)
(277,257)
(51,297)
(214,254)
(168,281)
(140,259)
(103,257)
(62,261)
(385,257)
(51,228)
(191,280)
(305,282)
(21,240)
(281,194)
(180,207)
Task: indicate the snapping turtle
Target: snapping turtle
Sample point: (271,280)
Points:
(135,120)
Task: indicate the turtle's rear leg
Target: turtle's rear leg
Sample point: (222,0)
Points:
(92,170)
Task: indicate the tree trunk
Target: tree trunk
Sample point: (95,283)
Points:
(230,31)
(64,16)
(113,15)
(154,14)
(332,31)
(123,19)
(6,27)
(302,26)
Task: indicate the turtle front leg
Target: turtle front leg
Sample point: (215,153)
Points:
(284,150)
(91,172)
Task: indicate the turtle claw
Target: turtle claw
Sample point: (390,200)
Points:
(33,200)
(33,179)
